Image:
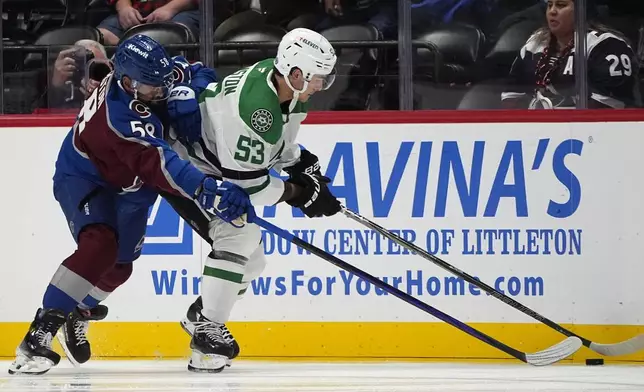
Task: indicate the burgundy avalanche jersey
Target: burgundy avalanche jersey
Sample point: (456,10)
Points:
(117,142)
(611,74)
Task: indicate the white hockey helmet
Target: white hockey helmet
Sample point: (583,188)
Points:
(311,53)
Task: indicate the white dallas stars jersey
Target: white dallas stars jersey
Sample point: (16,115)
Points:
(612,73)
(246,132)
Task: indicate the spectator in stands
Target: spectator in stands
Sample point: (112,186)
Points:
(543,75)
(131,13)
(75,75)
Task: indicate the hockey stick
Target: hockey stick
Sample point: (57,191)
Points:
(548,356)
(623,348)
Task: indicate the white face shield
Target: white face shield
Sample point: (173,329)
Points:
(326,81)
(318,82)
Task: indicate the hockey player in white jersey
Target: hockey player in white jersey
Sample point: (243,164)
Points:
(249,123)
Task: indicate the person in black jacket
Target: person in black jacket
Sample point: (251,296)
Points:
(543,74)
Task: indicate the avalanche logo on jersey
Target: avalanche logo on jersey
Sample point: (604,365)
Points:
(181,71)
(178,73)
(166,233)
(140,108)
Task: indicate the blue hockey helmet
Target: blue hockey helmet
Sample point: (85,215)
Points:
(146,62)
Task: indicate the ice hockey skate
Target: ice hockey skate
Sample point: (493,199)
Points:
(35,354)
(73,335)
(210,351)
(193,317)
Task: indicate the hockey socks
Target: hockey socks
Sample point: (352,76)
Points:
(110,281)
(222,277)
(79,273)
(254,268)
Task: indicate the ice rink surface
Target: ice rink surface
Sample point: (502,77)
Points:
(263,376)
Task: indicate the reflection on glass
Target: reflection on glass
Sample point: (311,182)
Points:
(73,74)
(468,54)
(473,45)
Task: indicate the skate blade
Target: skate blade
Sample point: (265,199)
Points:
(198,370)
(60,336)
(30,366)
(206,363)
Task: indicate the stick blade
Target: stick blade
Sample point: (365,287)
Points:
(626,347)
(555,353)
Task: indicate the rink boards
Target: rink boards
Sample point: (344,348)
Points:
(546,207)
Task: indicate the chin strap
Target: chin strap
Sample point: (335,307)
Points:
(296,93)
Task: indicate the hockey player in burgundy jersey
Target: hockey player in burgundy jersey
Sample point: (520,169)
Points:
(73,334)
(110,169)
(190,79)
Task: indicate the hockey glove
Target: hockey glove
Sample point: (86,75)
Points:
(308,164)
(234,204)
(315,199)
(206,193)
(184,112)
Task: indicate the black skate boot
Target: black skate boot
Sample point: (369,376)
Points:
(210,351)
(35,355)
(73,335)
(193,316)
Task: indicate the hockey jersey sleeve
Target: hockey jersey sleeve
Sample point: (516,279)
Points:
(137,141)
(611,71)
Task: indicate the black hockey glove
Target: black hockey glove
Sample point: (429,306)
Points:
(315,199)
(308,164)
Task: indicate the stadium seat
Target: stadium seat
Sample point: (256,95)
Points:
(356,70)
(499,59)
(230,60)
(493,69)
(438,86)
(237,23)
(307,21)
(460,46)
(166,33)
(69,35)
(482,96)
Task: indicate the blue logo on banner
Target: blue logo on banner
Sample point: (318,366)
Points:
(166,233)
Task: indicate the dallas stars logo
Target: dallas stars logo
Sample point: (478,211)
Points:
(261,120)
